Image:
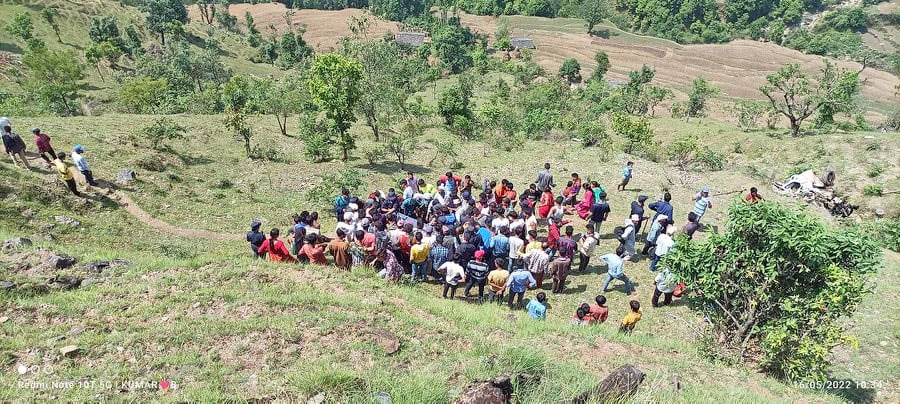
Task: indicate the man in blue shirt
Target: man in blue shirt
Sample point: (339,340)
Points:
(537,310)
(663,207)
(500,243)
(517,284)
(616,269)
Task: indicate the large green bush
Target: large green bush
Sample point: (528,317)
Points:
(778,281)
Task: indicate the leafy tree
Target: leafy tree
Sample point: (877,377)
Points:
(207,10)
(334,87)
(399,10)
(250,23)
(656,95)
(132,41)
(94,55)
(633,92)
(791,93)
(602,61)
(22,27)
(318,137)
(684,150)
(225,19)
(292,49)
(593,12)
(636,131)
(165,16)
(778,281)
(162,130)
(454,101)
(701,91)
(111,53)
(451,44)
(105,29)
(282,98)
(570,70)
(444,148)
(49,15)
(592,132)
(748,113)
(403,143)
(142,95)
(236,121)
(54,78)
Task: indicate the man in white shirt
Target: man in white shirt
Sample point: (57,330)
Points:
(664,243)
(586,245)
(455,275)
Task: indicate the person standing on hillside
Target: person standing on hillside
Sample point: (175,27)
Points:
(691,226)
(497,280)
(637,208)
(629,236)
(454,275)
(82,164)
(599,212)
(655,229)
(586,245)
(14,146)
(45,150)
(627,172)
(476,272)
(583,208)
(702,202)
(418,258)
(544,179)
(664,243)
(663,207)
(616,269)
(256,238)
(65,173)
(341,202)
(546,202)
(517,284)
(272,247)
(665,285)
(537,262)
(339,249)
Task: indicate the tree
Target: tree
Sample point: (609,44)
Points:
(780,282)
(701,91)
(22,27)
(207,10)
(399,10)
(165,16)
(404,142)
(281,98)
(94,55)
(54,78)
(49,15)
(236,120)
(592,11)
(105,29)
(133,41)
(636,131)
(633,92)
(451,44)
(334,87)
(748,113)
(162,130)
(570,70)
(602,61)
(454,101)
(684,150)
(225,19)
(388,80)
(791,93)
(657,95)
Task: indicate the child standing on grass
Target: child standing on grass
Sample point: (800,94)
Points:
(537,309)
(273,247)
(627,172)
(630,319)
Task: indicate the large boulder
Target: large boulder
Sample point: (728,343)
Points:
(619,385)
(494,391)
(125,176)
(15,244)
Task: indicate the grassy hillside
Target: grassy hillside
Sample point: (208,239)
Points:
(217,325)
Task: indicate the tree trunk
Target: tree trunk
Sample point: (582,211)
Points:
(373,123)
(346,154)
(58,37)
(247,146)
(99,73)
(282,124)
(795,126)
(162,37)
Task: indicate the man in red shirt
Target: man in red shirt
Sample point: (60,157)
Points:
(42,141)
(753,197)
(599,311)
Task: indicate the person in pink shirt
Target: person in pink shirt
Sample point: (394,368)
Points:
(45,150)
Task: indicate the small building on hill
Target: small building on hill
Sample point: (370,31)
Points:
(414,39)
(522,43)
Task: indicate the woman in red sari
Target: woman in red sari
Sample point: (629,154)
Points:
(546,202)
(584,207)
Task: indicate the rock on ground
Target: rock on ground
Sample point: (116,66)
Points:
(60,261)
(125,176)
(619,385)
(495,391)
(67,220)
(15,244)
(70,351)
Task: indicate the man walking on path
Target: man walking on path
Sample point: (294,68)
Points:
(63,169)
(82,164)
(14,146)
(616,269)
(42,142)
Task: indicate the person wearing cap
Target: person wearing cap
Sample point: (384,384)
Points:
(628,236)
(665,285)
(42,142)
(476,272)
(664,244)
(655,229)
(80,162)
(256,239)
(65,173)
(702,202)
(14,145)
(637,208)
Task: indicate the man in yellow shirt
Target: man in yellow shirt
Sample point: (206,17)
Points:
(497,280)
(65,173)
(631,318)
(418,257)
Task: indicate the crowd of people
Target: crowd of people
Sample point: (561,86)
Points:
(15,147)
(494,241)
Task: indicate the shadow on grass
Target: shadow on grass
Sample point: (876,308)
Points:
(11,48)
(389,168)
(852,391)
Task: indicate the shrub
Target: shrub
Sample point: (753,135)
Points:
(748,113)
(570,71)
(462,126)
(162,130)
(683,150)
(875,170)
(374,155)
(713,160)
(331,184)
(885,232)
(592,132)
(636,131)
(780,282)
(444,149)
(143,95)
(317,147)
(873,190)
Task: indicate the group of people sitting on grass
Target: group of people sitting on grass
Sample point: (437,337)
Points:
(15,148)
(486,236)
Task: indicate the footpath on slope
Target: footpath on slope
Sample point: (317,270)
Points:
(125,202)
